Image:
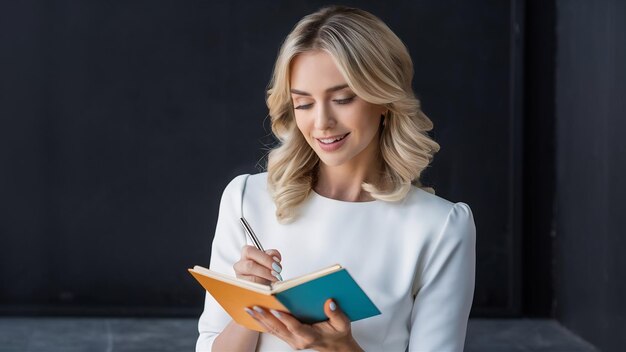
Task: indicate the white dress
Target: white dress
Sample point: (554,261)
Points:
(415,259)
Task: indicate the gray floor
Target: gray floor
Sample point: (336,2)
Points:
(169,335)
(522,335)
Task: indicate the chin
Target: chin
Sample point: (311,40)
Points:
(331,161)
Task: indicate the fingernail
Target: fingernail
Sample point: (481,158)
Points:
(276,259)
(275,313)
(249,311)
(332,306)
(276,267)
(258,309)
(276,275)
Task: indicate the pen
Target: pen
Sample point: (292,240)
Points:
(251,234)
(255,240)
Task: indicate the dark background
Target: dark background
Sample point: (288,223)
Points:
(121,123)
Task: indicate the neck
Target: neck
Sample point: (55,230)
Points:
(343,182)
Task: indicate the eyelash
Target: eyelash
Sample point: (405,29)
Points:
(338,101)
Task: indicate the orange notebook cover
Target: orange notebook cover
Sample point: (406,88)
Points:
(303,296)
(234,298)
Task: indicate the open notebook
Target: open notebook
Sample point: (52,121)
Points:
(303,296)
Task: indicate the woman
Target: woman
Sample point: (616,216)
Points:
(343,187)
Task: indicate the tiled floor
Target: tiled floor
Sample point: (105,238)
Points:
(169,335)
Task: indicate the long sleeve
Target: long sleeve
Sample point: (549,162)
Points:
(226,250)
(442,305)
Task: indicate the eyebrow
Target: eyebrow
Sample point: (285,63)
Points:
(331,89)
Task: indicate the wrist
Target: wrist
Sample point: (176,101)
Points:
(347,345)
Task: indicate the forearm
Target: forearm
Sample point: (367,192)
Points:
(349,345)
(236,338)
(353,346)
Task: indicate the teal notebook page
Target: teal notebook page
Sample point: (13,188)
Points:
(306,301)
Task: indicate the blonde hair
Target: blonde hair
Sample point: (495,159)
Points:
(378,68)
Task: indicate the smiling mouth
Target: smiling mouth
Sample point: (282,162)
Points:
(332,140)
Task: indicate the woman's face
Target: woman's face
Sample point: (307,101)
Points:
(341,128)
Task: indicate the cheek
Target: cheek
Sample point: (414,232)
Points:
(302,125)
(365,120)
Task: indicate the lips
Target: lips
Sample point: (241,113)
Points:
(333,139)
(330,144)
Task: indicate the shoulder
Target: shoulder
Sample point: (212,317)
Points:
(235,186)
(258,181)
(450,232)
(239,182)
(252,185)
(439,214)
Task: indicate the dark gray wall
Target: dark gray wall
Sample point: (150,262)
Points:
(121,123)
(590,265)
(539,158)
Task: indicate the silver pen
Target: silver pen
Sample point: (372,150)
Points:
(257,244)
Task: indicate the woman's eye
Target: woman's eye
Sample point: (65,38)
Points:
(303,107)
(338,101)
(344,101)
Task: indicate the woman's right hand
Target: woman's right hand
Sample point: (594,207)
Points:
(257,266)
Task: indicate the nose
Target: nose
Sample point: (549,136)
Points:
(324,119)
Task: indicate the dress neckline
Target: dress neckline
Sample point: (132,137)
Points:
(343,202)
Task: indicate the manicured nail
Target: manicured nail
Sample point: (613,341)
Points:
(277,275)
(275,313)
(332,306)
(276,267)
(276,259)
(249,311)
(258,310)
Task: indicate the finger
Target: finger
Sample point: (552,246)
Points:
(256,279)
(292,324)
(336,318)
(277,267)
(247,267)
(274,326)
(251,312)
(275,254)
(253,253)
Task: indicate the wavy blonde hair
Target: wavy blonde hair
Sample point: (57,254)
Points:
(378,68)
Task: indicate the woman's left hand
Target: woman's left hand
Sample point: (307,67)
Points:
(335,334)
